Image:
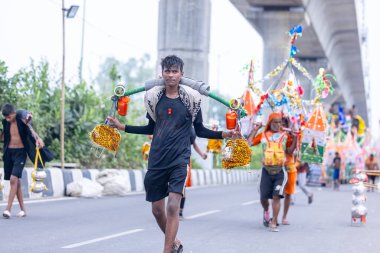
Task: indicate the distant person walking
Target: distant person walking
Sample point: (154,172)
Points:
(292,174)
(20,140)
(188,179)
(275,143)
(336,170)
(371,164)
(302,171)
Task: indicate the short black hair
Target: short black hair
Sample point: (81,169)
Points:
(336,153)
(7,109)
(170,61)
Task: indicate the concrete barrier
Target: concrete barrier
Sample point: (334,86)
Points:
(58,185)
(214,177)
(220,176)
(194,177)
(57,180)
(201,177)
(139,177)
(208,177)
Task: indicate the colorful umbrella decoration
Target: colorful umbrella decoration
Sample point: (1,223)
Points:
(313,140)
(249,104)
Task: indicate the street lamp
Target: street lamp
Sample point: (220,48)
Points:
(72,11)
(70,14)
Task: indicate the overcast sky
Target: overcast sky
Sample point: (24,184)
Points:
(128,28)
(119,28)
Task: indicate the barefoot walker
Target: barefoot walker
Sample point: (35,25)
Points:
(172,110)
(20,140)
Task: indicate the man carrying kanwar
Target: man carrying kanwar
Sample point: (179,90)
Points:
(276,144)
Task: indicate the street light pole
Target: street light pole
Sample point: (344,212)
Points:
(70,14)
(62,126)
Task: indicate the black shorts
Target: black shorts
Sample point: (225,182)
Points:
(272,185)
(158,183)
(14,162)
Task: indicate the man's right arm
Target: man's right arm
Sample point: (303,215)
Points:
(202,131)
(148,129)
(252,135)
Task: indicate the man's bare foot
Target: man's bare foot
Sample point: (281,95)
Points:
(177,246)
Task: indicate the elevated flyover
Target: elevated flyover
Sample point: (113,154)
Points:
(331,38)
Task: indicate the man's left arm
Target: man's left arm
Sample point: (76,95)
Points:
(291,144)
(26,117)
(199,151)
(39,142)
(203,132)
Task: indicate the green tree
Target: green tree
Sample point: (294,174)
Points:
(29,88)
(32,88)
(133,72)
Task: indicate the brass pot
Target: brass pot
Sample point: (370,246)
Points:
(358,211)
(38,186)
(359,189)
(39,174)
(358,200)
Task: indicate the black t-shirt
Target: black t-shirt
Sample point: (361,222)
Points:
(172,133)
(171,142)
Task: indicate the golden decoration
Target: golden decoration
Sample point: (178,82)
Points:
(105,136)
(237,153)
(214,146)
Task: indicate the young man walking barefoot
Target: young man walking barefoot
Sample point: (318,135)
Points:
(172,110)
(16,138)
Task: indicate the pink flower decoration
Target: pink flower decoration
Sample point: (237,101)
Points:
(300,91)
(325,92)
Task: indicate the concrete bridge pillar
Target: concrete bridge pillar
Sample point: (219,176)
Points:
(184,30)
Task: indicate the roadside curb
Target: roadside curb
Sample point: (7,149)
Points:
(58,179)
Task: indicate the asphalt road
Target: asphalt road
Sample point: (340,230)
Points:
(219,219)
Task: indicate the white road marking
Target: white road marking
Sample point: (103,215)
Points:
(79,244)
(41,200)
(250,202)
(202,214)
